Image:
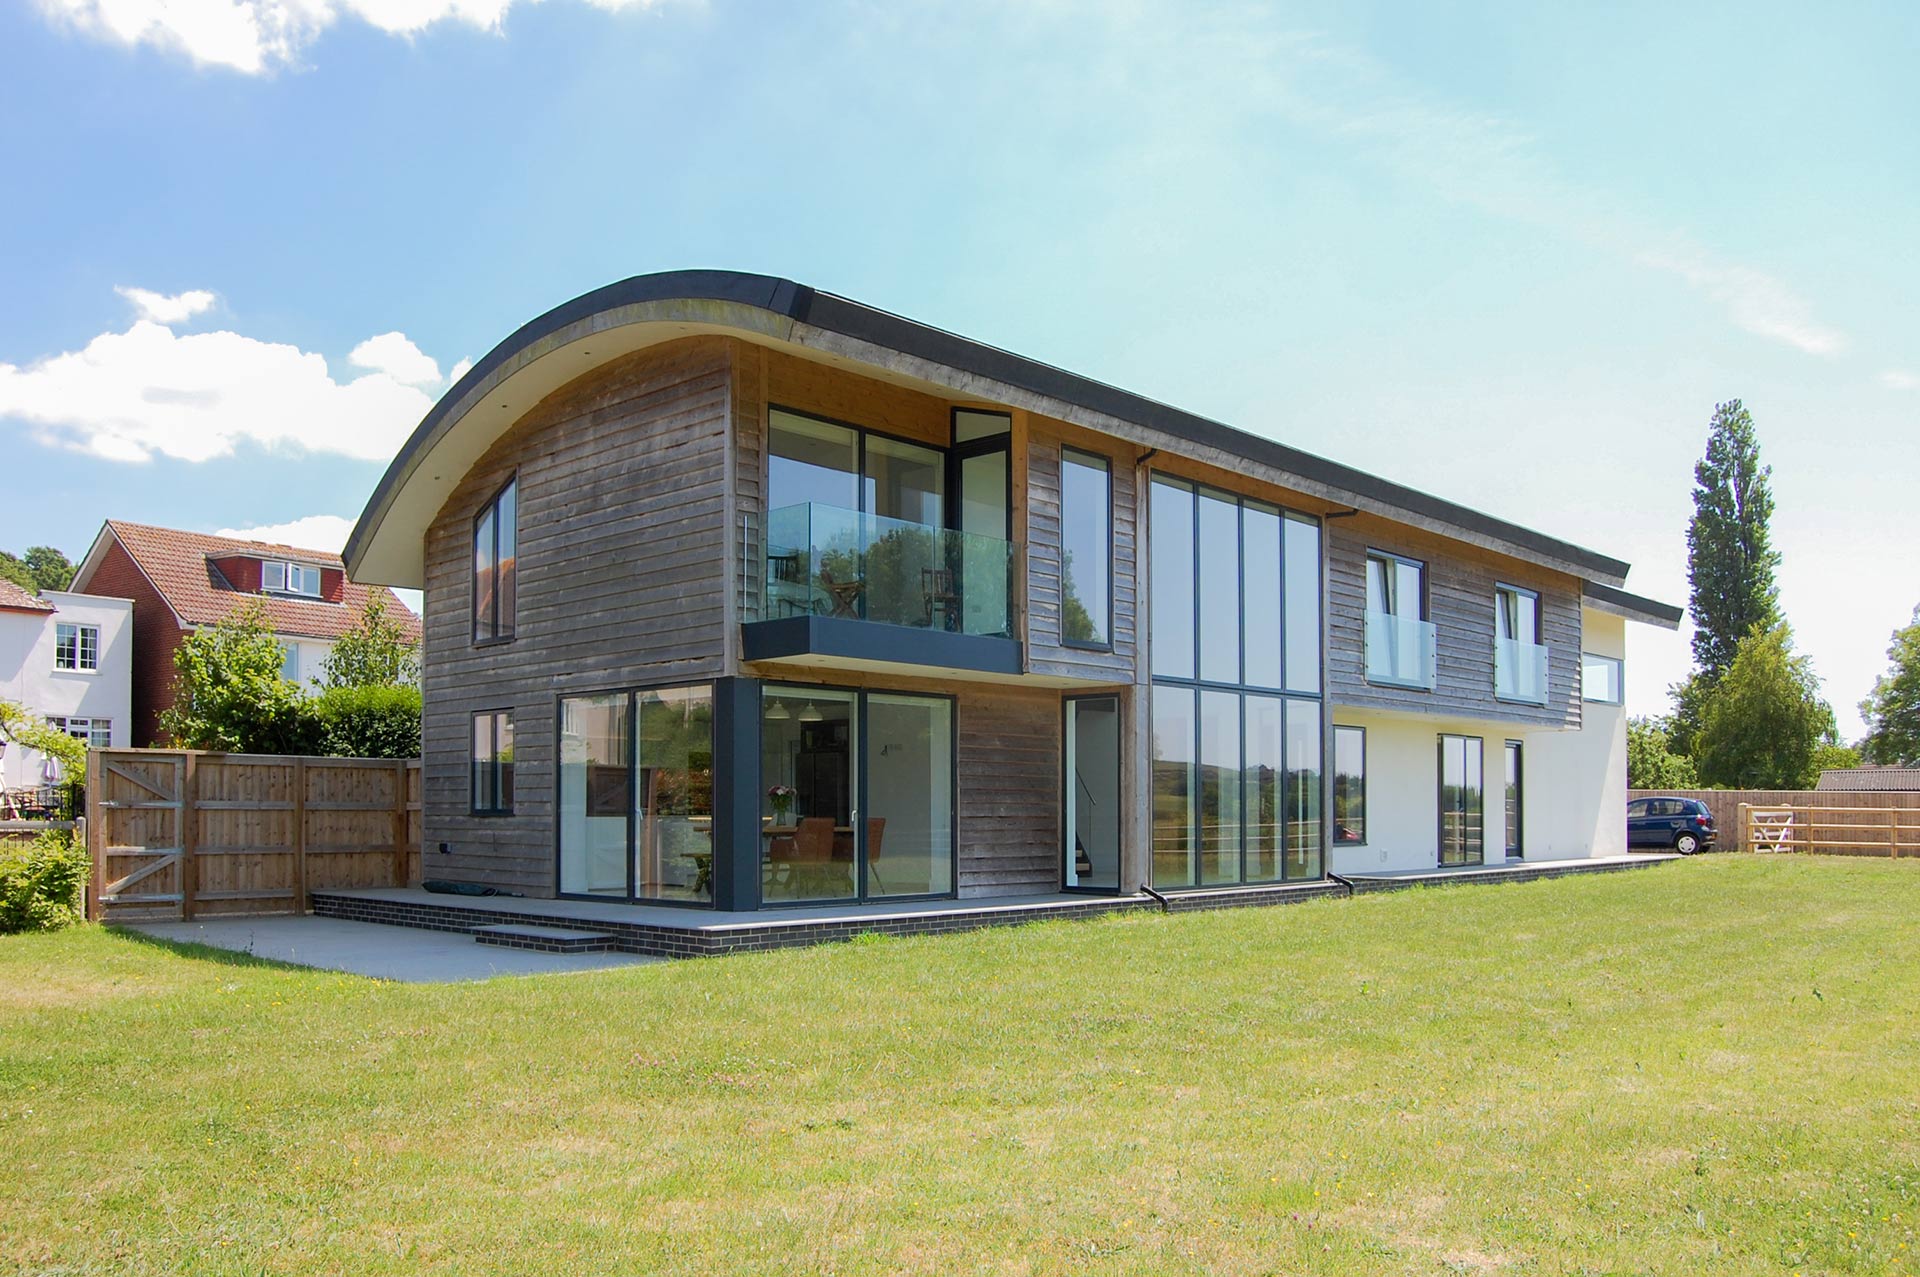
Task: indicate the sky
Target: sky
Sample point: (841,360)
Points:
(1509,254)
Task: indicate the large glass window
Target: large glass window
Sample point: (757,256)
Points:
(1462,800)
(1171,584)
(809,751)
(1349,786)
(905,481)
(909,825)
(495,565)
(1261,610)
(809,460)
(673,796)
(1219,589)
(1517,613)
(1219,787)
(493,763)
(1093,815)
(596,786)
(1305,783)
(1173,786)
(1396,587)
(1266,781)
(1086,546)
(1303,605)
(1237,773)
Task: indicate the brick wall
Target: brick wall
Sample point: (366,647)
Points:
(155,636)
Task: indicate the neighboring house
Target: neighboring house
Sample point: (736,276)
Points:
(982,626)
(1869,779)
(67,657)
(182,581)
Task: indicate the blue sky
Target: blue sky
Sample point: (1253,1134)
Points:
(1510,254)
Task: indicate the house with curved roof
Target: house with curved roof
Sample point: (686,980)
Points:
(740,594)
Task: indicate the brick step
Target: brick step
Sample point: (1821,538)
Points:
(520,935)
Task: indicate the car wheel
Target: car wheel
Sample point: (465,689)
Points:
(1686,844)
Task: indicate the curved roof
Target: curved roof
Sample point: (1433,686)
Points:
(572,339)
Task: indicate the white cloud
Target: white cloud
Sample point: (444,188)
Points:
(1899,379)
(162,309)
(396,356)
(458,371)
(127,396)
(314,532)
(258,36)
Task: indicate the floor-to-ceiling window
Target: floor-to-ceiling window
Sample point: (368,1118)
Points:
(1237,770)
(1516,847)
(1462,800)
(1092,798)
(636,805)
(859,794)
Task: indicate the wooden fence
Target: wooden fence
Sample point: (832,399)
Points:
(177,833)
(1830,822)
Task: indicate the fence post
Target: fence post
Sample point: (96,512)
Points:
(189,818)
(400,822)
(96,850)
(1893,832)
(1743,836)
(299,835)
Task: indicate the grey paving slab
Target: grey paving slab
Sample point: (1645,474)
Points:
(367,948)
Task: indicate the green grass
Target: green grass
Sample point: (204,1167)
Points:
(1712,1066)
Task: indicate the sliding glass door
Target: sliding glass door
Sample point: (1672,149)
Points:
(1462,800)
(858,799)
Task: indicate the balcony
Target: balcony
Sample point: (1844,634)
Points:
(1520,671)
(862,587)
(1401,651)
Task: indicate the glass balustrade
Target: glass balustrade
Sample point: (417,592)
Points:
(822,560)
(1520,671)
(1400,650)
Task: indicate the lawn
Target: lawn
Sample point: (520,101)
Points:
(1711,1066)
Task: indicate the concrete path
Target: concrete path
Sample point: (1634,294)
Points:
(370,949)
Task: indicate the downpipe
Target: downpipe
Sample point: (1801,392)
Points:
(1166,906)
(1345,882)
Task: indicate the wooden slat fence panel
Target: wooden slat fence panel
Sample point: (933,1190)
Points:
(1725,804)
(183,833)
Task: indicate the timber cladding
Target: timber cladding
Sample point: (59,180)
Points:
(1460,603)
(621,572)
(1046,653)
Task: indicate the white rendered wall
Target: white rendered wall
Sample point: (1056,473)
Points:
(1573,783)
(1585,771)
(28,676)
(310,660)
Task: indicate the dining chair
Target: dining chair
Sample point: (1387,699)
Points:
(876,830)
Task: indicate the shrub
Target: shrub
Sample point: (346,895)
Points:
(42,883)
(368,722)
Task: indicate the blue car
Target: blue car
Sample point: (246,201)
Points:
(1683,824)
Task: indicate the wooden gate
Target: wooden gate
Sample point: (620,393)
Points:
(182,833)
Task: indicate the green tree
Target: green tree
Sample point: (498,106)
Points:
(1892,709)
(1730,557)
(1832,756)
(43,568)
(1652,762)
(376,653)
(1765,719)
(229,693)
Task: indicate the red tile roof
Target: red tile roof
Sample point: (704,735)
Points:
(178,565)
(15,598)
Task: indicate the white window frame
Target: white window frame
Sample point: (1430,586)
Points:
(277,576)
(76,647)
(290,661)
(96,732)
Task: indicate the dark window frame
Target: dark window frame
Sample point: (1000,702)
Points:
(1334,773)
(1514,751)
(860,693)
(1619,663)
(958,452)
(1084,456)
(1440,807)
(1539,612)
(1067,702)
(632,692)
(504,627)
(1195,685)
(1426,578)
(502,773)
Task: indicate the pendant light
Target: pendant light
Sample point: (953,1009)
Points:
(810,714)
(778,712)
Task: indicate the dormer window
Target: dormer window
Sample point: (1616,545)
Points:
(289,578)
